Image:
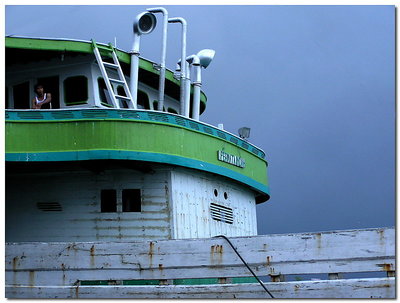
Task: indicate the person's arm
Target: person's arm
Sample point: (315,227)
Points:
(34,103)
(48,99)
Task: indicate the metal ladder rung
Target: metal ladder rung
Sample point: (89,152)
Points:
(116,81)
(122,97)
(110,65)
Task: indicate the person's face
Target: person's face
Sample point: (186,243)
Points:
(39,90)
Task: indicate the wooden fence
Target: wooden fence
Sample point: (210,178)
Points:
(116,269)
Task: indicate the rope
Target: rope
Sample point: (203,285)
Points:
(244,262)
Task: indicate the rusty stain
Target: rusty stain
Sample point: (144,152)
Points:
(151,252)
(388,267)
(15,260)
(77,291)
(63,270)
(92,261)
(151,248)
(31,278)
(269,260)
(160,267)
(318,237)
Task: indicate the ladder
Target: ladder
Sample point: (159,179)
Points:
(115,98)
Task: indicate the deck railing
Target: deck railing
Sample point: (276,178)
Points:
(208,268)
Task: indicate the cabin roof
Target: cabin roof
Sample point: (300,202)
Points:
(25,49)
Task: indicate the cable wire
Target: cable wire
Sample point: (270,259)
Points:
(244,262)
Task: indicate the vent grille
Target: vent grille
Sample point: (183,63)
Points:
(158,117)
(221,213)
(245,145)
(125,114)
(208,130)
(30,115)
(49,206)
(63,115)
(95,114)
(180,121)
(233,140)
(221,135)
(193,125)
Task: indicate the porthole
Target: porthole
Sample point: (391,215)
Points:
(215,192)
(225,195)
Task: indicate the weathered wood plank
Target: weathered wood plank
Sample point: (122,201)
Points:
(304,253)
(350,288)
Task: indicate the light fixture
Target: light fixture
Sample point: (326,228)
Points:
(244,132)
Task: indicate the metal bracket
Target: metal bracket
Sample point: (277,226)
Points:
(157,66)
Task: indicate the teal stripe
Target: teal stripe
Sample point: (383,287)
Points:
(141,156)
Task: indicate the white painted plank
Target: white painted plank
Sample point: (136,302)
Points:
(65,263)
(350,288)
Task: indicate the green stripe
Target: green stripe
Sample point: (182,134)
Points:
(141,156)
(130,115)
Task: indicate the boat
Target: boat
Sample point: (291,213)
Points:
(120,153)
(115,188)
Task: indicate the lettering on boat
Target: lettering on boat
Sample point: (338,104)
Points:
(231,159)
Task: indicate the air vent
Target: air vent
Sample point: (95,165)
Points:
(221,213)
(221,135)
(194,125)
(158,117)
(124,114)
(63,115)
(7,116)
(95,114)
(233,140)
(208,130)
(244,145)
(49,206)
(180,121)
(30,115)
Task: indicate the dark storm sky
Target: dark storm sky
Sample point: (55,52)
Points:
(316,85)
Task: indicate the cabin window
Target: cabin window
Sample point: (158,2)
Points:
(7,103)
(172,110)
(108,200)
(121,92)
(51,85)
(21,96)
(131,200)
(155,105)
(75,90)
(143,100)
(103,93)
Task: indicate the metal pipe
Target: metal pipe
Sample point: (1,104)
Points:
(144,24)
(161,85)
(133,81)
(194,61)
(187,90)
(183,56)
